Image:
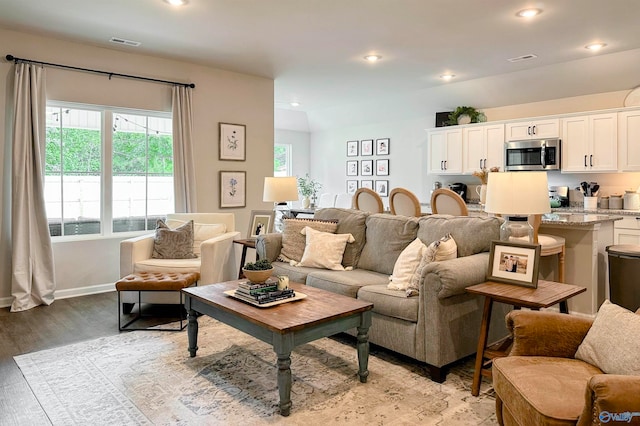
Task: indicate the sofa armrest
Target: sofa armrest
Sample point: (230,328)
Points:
(609,395)
(218,258)
(450,277)
(546,333)
(133,250)
(268,246)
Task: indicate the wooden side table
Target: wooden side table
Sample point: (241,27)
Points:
(547,294)
(245,245)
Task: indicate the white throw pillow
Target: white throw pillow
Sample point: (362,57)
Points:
(443,249)
(201,232)
(323,249)
(613,341)
(406,265)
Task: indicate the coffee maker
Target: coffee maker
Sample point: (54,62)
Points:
(460,189)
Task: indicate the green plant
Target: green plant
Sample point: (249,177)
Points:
(474,115)
(259,265)
(307,186)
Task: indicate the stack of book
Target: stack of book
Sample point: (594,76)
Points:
(266,292)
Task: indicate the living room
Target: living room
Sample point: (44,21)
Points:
(90,266)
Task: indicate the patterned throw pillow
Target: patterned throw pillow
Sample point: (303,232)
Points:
(201,232)
(173,243)
(443,249)
(294,242)
(324,249)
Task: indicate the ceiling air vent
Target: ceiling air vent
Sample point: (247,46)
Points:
(523,58)
(118,40)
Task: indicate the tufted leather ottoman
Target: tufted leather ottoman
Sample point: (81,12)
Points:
(155,281)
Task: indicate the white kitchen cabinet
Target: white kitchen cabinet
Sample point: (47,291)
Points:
(628,141)
(589,143)
(445,151)
(627,230)
(482,147)
(538,129)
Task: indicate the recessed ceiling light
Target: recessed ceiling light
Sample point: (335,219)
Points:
(447,77)
(177,2)
(373,58)
(294,104)
(595,46)
(528,13)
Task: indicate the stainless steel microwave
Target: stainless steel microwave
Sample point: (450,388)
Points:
(536,154)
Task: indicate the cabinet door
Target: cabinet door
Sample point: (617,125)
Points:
(518,131)
(545,129)
(575,144)
(473,149)
(437,152)
(628,137)
(603,139)
(453,163)
(494,145)
(626,236)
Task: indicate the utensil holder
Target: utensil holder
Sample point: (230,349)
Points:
(590,203)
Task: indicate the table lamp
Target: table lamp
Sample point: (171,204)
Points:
(515,196)
(279,190)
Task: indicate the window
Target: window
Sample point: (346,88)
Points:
(104,181)
(281,160)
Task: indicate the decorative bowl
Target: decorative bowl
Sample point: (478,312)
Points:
(259,276)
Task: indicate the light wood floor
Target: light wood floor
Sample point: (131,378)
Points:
(64,322)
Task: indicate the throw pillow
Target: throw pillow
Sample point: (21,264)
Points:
(173,243)
(324,249)
(293,241)
(613,341)
(201,232)
(443,249)
(406,265)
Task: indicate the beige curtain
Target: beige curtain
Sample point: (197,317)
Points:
(184,177)
(33,275)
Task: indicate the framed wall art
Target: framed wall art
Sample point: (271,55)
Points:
(352,148)
(261,223)
(366,184)
(514,263)
(366,147)
(366,167)
(382,188)
(352,168)
(352,186)
(232,141)
(382,146)
(232,189)
(382,167)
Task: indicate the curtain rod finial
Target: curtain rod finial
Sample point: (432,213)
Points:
(10,58)
(192,85)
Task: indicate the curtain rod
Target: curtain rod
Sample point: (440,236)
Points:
(110,74)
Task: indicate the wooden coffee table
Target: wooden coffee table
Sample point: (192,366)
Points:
(284,326)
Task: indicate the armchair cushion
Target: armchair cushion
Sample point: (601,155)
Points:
(613,341)
(173,243)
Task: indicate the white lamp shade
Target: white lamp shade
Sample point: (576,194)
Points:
(517,193)
(280,189)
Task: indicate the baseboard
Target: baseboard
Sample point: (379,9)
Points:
(5,302)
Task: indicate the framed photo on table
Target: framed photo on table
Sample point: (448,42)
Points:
(382,146)
(352,148)
(232,141)
(261,223)
(366,147)
(382,167)
(514,263)
(232,189)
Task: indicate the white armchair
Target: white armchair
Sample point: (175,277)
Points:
(216,261)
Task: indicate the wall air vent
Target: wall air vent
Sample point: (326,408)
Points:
(118,40)
(523,58)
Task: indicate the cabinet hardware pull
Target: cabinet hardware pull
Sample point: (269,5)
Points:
(585,160)
(591,160)
(442,164)
(534,130)
(529,130)
(481,163)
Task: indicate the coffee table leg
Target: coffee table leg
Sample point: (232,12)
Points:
(283,345)
(363,347)
(192,332)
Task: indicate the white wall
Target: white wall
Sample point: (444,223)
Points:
(219,96)
(300,149)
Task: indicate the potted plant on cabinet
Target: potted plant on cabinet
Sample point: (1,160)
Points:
(308,188)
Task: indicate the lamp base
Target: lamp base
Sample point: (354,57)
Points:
(516,227)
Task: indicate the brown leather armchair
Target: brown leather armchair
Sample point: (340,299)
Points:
(541,383)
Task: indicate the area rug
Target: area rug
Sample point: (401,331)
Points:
(147,377)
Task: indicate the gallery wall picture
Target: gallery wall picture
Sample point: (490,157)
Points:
(352,186)
(382,188)
(232,141)
(382,167)
(352,168)
(261,223)
(366,147)
(382,146)
(366,167)
(352,148)
(232,189)
(366,184)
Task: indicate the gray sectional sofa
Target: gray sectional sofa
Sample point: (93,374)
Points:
(440,325)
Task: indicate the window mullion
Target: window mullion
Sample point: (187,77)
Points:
(106,201)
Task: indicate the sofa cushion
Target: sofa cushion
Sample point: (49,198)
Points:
(543,390)
(390,303)
(296,274)
(293,241)
(406,265)
(613,341)
(386,236)
(346,283)
(201,231)
(173,243)
(167,265)
(472,234)
(349,222)
(324,250)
